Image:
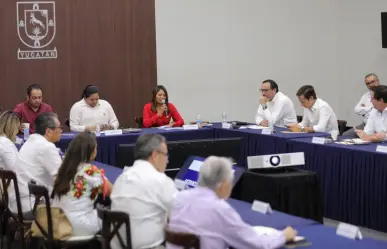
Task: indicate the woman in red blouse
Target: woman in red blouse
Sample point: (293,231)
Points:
(159,112)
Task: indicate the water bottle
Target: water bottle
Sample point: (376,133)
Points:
(198,121)
(26,133)
(97,130)
(224,117)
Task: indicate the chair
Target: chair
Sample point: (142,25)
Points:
(17,224)
(67,122)
(299,118)
(111,223)
(41,192)
(342,124)
(139,121)
(186,240)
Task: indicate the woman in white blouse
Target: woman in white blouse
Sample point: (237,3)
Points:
(78,184)
(9,127)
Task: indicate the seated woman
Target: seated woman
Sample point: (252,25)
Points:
(9,127)
(159,112)
(78,184)
(90,111)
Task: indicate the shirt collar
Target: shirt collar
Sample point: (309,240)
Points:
(315,105)
(28,106)
(145,165)
(275,98)
(207,192)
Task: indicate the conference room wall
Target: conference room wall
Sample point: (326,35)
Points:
(111,44)
(212,55)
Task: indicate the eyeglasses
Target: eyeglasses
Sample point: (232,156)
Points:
(371,82)
(57,127)
(264,90)
(162,152)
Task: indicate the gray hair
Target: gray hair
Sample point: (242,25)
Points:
(371,74)
(215,170)
(44,121)
(146,144)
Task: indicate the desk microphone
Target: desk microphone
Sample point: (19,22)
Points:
(166,112)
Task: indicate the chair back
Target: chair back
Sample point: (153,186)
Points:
(342,124)
(67,122)
(185,240)
(299,118)
(139,121)
(111,223)
(7,177)
(41,192)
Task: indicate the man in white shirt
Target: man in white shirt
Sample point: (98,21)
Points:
(38,159)
(376,127)
(364,106)
(276,109)
(90,111)
(318,115)
(145,193)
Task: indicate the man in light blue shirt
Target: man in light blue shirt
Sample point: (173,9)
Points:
(204,212)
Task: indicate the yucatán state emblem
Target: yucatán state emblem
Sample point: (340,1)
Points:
(36,27)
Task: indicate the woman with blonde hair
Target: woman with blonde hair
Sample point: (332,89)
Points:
(9,128)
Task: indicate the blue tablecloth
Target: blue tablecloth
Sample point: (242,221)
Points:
(323,237)
(255,143)
(107,144)
(353,181)
(276,220)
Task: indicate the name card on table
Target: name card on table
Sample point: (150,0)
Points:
(113,132)
(191,127)
(318,140)
(226,125)
(261,207)
(267,131)
(181,185)
(381,148)
(349,231)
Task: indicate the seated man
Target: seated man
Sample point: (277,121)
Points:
(38,159)
(145,193)
(376,127)
(202,211)
(90,111)
(30,109)
(276,108)
(364,106)
(318,115)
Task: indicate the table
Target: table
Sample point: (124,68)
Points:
(353,180)
(255,143)
(107,144)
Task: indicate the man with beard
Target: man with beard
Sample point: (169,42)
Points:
(30,109)
(364,107)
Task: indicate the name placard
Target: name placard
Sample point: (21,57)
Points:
(267,131)
(261,207)
(349,231)
(180,184)
(113,132)
(318,140)
(226,125)
(191,127)
(381,148)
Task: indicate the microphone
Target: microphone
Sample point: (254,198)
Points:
(166,112)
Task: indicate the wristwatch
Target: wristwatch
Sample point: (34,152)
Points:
(264,107)
(302,128)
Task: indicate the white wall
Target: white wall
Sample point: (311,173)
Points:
(213,54)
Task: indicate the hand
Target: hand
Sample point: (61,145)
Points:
(21,128)
(170,124)
(294,127)
(106,127)
(289,233)
(361,134)
(264,123)
(90,128)
(263,100)
(381,136)
(161,110)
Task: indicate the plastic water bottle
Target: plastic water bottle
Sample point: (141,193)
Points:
(26,133)
(97,130)
(198,120)
(224,117)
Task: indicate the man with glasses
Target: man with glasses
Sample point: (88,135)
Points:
(38,159)
(30,109)
(364,107)
(276,109)
(145,193)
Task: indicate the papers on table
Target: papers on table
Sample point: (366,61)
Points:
(168,128)
(254,127)
(261,230)
(353,141)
